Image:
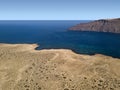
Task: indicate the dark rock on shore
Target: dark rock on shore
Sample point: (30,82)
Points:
(102,25)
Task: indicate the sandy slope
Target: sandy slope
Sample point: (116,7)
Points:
(23,68)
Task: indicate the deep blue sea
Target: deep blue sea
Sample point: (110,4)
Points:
(55,35)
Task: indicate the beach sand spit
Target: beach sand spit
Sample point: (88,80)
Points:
(24,68)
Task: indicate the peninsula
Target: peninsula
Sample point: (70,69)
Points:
(23,68)
(102,25)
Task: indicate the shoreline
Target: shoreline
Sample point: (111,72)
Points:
(32,47)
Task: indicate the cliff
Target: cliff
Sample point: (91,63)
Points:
(103,25)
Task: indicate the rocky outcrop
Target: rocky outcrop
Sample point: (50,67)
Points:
(103,25)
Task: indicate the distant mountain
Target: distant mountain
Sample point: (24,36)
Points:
(102,25)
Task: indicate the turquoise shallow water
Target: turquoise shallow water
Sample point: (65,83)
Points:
(55,35)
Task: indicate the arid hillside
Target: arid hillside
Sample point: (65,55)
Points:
(23,68)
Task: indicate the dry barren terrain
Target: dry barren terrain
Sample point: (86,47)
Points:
(23,68)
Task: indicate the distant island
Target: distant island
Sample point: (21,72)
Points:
(102,25)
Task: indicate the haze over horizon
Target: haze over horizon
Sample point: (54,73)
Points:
(58,9)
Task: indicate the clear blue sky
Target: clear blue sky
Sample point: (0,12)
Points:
(59,9)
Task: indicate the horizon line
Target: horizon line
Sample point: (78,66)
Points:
(44,20)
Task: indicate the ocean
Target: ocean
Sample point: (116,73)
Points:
(54,34)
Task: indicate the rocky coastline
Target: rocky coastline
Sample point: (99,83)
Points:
(102,25)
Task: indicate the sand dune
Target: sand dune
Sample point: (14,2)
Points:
(23,68)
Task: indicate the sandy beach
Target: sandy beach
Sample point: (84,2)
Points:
(24,68)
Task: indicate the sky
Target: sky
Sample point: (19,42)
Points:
(59,9)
